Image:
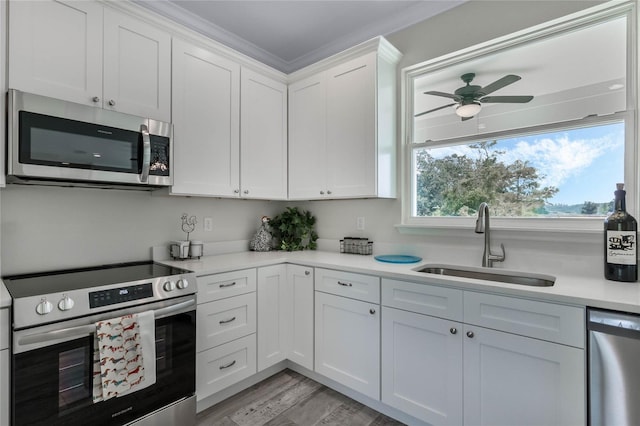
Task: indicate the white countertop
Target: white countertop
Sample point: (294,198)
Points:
(573,290)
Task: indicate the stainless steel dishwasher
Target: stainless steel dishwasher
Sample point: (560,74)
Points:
(614,368)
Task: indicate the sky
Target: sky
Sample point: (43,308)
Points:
(585,164)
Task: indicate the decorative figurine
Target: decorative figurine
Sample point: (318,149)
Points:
(262,240)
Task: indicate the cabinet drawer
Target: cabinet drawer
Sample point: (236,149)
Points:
(4,328)
(220,286)
(355,286)
(224,320)
(225,365)
(541,320)
(422,298)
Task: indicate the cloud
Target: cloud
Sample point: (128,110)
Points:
(561,157)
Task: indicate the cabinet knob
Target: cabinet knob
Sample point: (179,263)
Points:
(470,334)
(95,99)
(112,102)
(307,273)
(236,191)
(372,311)
(246,191)
(453,330)
(329,192)
(321,192)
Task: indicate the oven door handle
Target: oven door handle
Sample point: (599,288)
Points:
(83,330)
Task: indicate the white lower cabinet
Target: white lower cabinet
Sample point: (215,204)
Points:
(422,366)
(274,315)
(451,373)
(347,336)
(4,367)
(511,379)
(225,330)
(300,279)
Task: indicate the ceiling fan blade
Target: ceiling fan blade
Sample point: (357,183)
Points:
(500,83)
(435,109)
(506,99)
(446,95)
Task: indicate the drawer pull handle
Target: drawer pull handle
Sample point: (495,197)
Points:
(228,320)
(231,364)
(345,284)
(228,285)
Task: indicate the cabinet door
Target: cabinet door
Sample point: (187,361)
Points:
(300,279)
(307,138)
(422,366)
(274,315)
(348,342)
(351,128)
(263,137)
(206,119)
(511,379)
(55,49)
(137,67)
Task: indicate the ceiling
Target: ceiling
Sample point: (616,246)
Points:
(291,34)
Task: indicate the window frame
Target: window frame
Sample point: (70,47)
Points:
(607,11)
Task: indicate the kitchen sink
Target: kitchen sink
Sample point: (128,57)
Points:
(509,277)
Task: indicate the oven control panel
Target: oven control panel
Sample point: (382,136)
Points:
(120,295)
(52,307)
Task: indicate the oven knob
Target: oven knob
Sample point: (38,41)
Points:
(169,286)
(182,284)
(44,307)
(66,303)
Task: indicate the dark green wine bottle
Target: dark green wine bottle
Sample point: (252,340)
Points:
(620,242)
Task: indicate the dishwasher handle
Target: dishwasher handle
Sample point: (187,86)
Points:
(611,322)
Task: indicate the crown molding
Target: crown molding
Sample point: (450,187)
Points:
(407,17)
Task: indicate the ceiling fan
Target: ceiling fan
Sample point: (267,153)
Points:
(469,98)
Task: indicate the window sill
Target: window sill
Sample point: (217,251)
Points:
(575,230)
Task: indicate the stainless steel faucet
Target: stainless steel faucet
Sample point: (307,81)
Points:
(484,227)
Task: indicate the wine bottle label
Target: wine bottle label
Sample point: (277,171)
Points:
(621,247)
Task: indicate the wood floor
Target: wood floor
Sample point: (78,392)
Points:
(291,399)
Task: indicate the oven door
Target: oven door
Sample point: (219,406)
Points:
(52,380)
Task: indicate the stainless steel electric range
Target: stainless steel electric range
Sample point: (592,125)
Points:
(55,349)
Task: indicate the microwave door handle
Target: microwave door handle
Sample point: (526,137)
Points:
(146,153)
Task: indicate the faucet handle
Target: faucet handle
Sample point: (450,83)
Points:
(498,257)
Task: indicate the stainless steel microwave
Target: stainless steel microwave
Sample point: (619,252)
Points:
(56,142)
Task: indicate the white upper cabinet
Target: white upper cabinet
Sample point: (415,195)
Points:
(55,49)
(83,52)
(137,67)
(307,137)
(342,126)
(263,136)
(206,120)
(230,132)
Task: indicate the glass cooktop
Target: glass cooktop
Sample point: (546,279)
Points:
(28,285)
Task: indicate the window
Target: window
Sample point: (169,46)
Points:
(549,144)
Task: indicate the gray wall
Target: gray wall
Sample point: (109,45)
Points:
(47,228)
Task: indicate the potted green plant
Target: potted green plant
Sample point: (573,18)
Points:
(294,230)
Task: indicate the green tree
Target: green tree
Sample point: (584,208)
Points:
(589,207)
(455,185)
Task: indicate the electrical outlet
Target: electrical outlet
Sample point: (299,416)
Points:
(208,224)
(360,223)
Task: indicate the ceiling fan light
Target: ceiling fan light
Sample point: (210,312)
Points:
(468,110)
